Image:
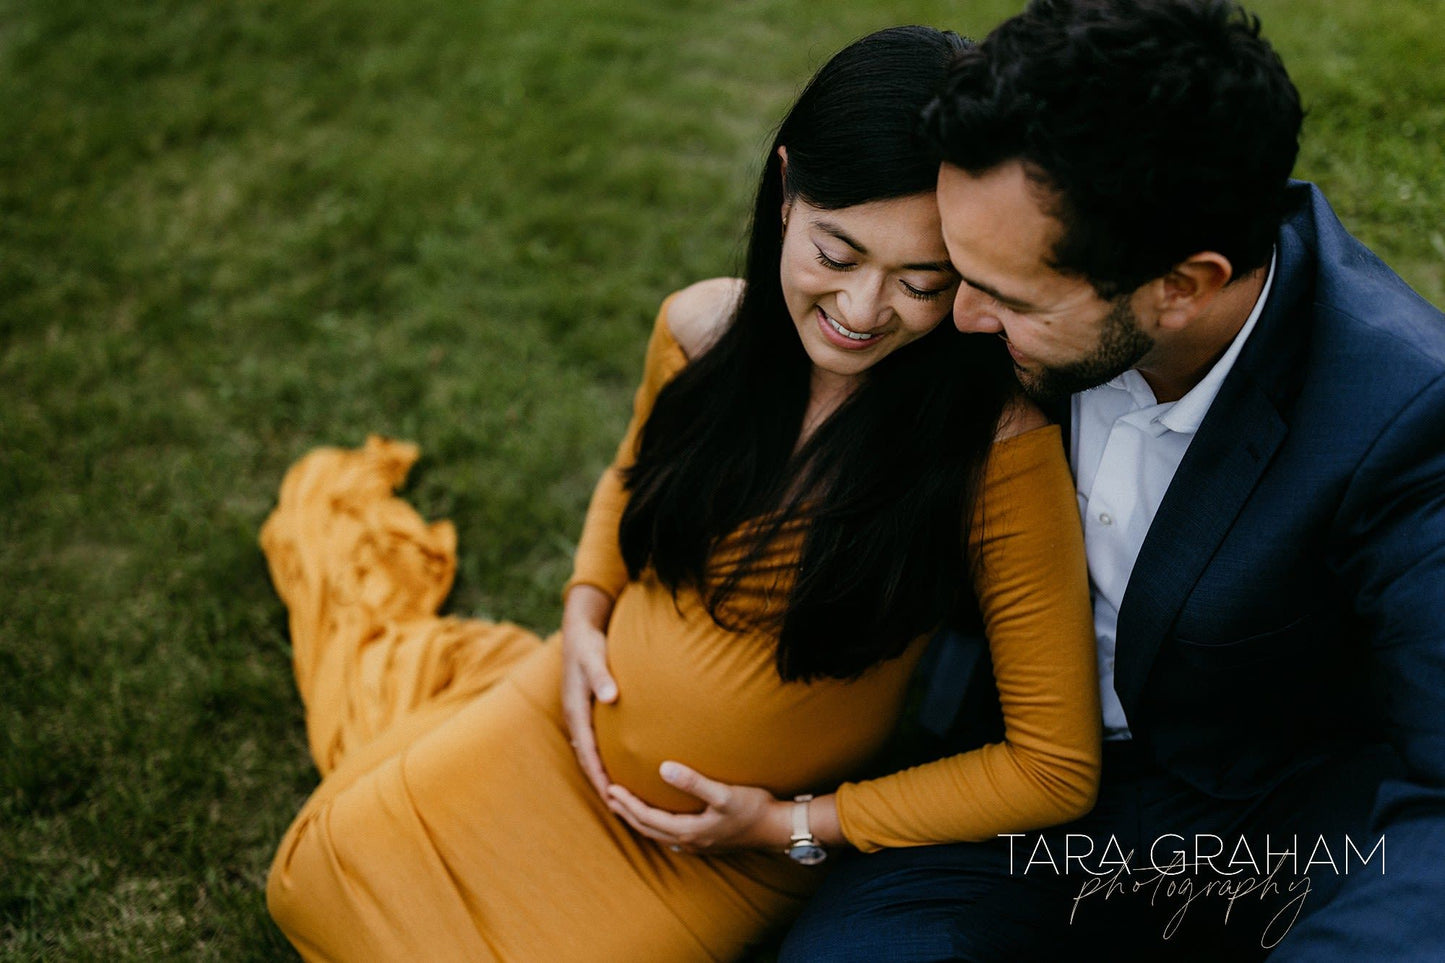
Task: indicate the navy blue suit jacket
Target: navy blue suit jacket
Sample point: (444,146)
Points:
(1289,599)
(1288,602)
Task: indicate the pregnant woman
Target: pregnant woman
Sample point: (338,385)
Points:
(817,473)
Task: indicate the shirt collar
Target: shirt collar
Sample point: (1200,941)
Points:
(1186,414)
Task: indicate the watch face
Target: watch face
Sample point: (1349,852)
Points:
(809,854)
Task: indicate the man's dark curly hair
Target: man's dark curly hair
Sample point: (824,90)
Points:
(1154,128)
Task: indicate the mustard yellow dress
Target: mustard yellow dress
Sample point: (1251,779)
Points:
(453,821)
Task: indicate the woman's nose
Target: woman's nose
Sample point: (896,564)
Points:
(862,304)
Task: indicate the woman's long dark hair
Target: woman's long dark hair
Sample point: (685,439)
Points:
(885,486)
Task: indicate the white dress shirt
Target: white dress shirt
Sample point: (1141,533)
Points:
(1126,448)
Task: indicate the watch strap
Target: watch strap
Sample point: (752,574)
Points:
(801,830)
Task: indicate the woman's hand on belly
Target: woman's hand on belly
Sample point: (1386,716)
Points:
(584,675)
(734,817)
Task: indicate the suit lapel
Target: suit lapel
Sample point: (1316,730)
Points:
(1218,473)
(1239,436)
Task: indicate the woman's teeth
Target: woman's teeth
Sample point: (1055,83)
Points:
(853,335)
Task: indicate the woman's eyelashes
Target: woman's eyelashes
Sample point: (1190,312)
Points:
(920,294)
(925,294)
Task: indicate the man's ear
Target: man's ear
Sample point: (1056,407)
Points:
(1190,287)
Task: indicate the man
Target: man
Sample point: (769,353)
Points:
(1254,408)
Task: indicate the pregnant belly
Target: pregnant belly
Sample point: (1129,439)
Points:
(691,692)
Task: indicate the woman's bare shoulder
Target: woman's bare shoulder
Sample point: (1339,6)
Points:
(700,312)
(1019,415)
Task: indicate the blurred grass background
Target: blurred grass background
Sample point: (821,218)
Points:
(232,230)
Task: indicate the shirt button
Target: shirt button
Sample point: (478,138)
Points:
(1105,518)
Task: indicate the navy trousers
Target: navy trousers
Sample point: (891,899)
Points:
(1158,871)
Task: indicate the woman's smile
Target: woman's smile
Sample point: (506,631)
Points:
(844,337)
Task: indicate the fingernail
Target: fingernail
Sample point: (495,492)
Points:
(607,692)
(670,771)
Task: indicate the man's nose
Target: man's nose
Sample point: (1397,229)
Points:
(973,312)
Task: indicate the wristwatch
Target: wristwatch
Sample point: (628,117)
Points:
(804,847)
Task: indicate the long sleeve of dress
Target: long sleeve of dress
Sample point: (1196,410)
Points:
(598,561)
(1032,588)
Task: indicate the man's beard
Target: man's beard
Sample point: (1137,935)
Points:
(1121,344)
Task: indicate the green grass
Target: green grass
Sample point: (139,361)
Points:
(233,230)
